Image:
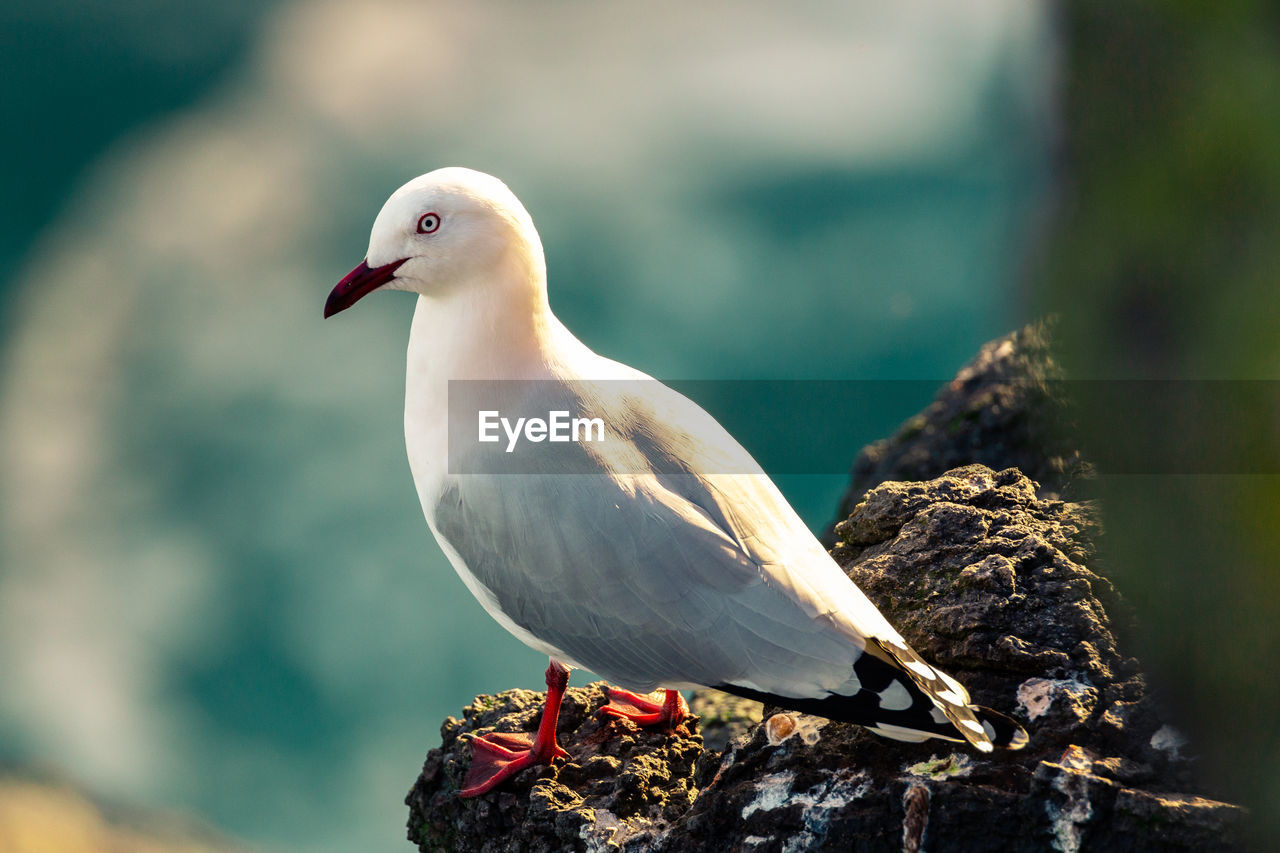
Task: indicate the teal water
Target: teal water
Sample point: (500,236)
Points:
(218,593)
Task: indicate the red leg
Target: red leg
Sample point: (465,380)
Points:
(643,711)
(496,757)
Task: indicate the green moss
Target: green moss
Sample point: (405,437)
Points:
(485,702)
(911,428)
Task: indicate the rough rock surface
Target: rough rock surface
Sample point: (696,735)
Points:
(1004,409)
(621,786)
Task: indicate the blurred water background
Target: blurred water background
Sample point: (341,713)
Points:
(217,592)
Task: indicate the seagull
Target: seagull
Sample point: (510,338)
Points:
(663,558)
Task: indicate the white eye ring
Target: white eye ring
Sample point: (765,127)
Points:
(428,223)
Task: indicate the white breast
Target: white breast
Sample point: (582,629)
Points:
(426,433)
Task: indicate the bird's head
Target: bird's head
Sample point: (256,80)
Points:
(448,229)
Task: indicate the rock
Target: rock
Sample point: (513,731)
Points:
(1004,409)
(978,574)
(621,787)
(987,574)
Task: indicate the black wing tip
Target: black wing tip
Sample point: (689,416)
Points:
(1000,730)
(1003,731)
(861,709)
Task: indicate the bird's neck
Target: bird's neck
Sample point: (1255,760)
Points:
(500,329)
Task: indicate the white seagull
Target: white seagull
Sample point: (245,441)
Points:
(661,558)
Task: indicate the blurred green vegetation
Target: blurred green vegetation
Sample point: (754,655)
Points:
(1164,263)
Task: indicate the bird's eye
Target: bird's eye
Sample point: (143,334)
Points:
(428,223)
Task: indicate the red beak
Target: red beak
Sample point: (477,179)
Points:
(358,283)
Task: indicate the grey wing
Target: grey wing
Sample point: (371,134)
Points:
(631,579)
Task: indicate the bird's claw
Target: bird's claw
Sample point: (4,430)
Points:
(644,711)
(497,756)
